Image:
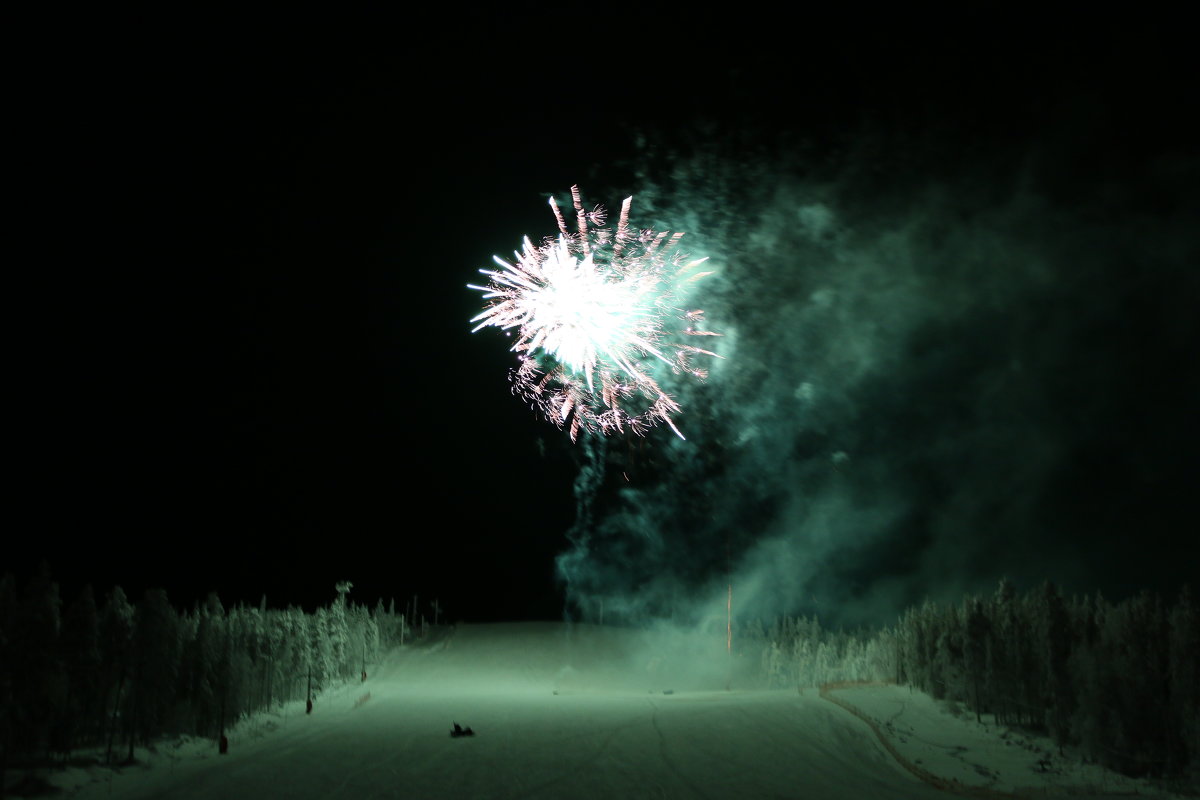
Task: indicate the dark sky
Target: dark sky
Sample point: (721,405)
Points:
(958,256)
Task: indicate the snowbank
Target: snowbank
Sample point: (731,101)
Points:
(944,745)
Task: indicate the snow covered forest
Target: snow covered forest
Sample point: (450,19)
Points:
(116,675)
(1117,683)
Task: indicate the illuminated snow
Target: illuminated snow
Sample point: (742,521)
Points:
(586,712)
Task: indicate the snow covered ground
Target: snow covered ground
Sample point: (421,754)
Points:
(948,747)
(588,712)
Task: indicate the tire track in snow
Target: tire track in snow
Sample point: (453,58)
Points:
(666,758)
(571,772)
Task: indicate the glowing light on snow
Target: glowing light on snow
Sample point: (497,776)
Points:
(595,315)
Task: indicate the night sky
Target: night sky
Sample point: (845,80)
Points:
(956,269)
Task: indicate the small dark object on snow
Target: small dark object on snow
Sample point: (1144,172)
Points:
(460,731)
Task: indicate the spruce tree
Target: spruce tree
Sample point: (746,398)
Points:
(116,641)
(80,652)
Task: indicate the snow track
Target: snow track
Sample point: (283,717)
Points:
(558,711)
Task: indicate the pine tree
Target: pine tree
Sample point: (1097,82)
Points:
(155,667)
(301,639)
(188,626)
(339,630)
(211,674)
(324,669)
(1056,643)
(116,641)
(975,651)
(1185,682)
(39,681)
(80,653)
(1003,654)
(8,611)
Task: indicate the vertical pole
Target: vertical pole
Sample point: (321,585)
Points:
(729,596)
(729,611)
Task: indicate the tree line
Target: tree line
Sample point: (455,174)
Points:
(1118,682)
(113,674)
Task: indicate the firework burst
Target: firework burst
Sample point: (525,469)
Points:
(595,315)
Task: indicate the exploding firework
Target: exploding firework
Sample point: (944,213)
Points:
(595,314)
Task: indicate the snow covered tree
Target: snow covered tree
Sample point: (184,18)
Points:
(773,665)
(301,646)
(1185,682)
(154,669)
(1054,627)
(1003,654)
(8,613)
(116,643)
(880,655)
(927,633)
(324,668)
(210,673)
(80,654)
(39,681)
(949,656)
(975,651)
(804,654)
(906,648)
(277,655)
(338,631)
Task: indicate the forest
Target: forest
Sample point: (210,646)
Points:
(114,675)
(1116,683)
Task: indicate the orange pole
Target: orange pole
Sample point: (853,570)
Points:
(729,620)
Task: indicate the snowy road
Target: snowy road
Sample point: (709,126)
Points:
(579,713)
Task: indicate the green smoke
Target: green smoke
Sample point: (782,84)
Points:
(940,367)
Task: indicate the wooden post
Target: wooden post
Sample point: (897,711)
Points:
(729,597)
(729,610)
(729,620)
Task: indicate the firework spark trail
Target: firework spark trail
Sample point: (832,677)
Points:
(594,312)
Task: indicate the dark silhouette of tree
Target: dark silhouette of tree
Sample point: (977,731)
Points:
(975,653)
(8,616)
(92,675)
(116,643)
(1003,678)
(1055,628)
(1185,682)
(156,648)
(36,667)
(81,657)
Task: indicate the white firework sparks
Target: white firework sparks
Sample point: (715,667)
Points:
(594,312)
